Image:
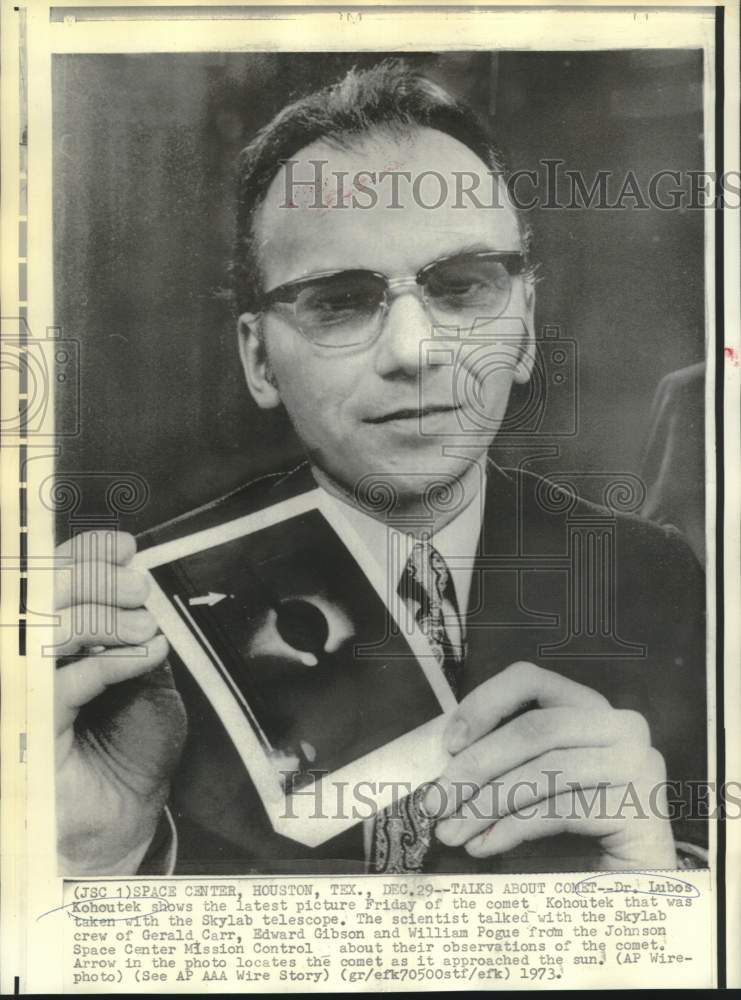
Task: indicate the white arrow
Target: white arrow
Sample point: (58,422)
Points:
(210,598)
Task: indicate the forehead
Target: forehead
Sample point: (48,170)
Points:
(375,205)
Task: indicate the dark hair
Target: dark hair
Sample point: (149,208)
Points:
(388,96)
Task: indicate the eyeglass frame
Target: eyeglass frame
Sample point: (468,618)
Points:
(293,288)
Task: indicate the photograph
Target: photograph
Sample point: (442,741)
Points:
(455,304)
(281,613)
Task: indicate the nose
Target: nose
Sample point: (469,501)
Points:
(406,326)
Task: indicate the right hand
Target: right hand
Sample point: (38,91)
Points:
(120,723)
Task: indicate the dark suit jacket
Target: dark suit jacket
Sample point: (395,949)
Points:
(674,455)
(609,600)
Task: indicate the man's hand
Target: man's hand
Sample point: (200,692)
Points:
(120,723)
(536,775)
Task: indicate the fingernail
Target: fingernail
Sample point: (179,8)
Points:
(132,584)
(451,831)
(443,831)
(436,800)
(141,624)
(457,736)
(476,844)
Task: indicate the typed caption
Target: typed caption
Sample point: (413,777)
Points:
(370,933)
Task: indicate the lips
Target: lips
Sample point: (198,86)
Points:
(410,413)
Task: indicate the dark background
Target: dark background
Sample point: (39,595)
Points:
(143,193)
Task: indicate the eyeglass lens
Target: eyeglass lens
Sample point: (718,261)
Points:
(345,309)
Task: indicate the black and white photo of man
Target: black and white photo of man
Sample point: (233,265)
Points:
(385,295)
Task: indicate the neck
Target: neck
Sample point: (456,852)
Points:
(414,513)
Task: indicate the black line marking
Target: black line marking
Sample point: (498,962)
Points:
(720,489)
(23,386)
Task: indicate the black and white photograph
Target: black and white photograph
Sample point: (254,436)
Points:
(457,299)
(291,624)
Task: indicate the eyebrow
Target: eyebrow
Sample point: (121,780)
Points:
(471,248)
(479,247)
(475,247)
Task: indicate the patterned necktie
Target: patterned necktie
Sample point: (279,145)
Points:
(403,831)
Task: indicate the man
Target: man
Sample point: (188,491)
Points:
(343,296)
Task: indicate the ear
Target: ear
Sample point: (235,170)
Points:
(526,360)
(260,379)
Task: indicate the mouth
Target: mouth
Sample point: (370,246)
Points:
(410,413)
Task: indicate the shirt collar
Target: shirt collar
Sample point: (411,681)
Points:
(456,542)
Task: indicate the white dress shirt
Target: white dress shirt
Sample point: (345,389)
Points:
(456,542)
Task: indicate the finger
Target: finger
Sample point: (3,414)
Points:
(90,625)
(628,838)
(512,689)
(548,818)
(118,547)
(550,775)
(527,736)
(85,679)
(99,583)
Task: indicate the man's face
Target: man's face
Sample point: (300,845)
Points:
(388,408)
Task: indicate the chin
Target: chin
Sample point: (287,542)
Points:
(440,482)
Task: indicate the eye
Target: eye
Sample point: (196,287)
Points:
(456,285)
(469,282)
(334,301)
(340,297)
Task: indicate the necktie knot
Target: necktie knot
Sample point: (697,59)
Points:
(426,574)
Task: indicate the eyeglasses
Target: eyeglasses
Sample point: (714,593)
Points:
(342,309)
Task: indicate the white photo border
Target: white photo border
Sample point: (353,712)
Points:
(30,882)
(398,767)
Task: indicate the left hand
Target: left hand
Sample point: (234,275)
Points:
(536,775)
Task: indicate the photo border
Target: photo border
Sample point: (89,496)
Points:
(413,759)
(27,705)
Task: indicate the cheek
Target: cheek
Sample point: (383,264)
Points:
(315,390)
(484,375)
